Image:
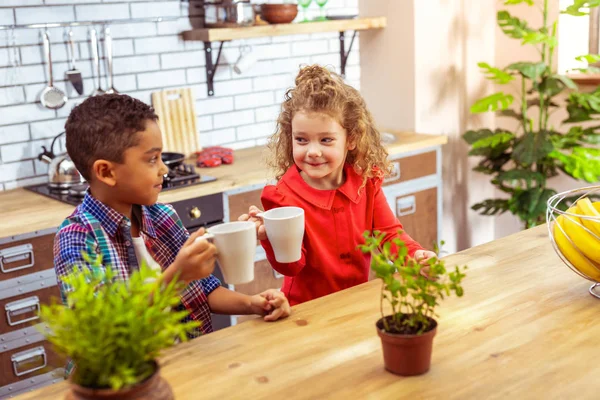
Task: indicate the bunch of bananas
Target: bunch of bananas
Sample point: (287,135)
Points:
(577,236)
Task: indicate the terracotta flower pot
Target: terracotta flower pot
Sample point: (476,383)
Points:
(153,388)
(406,355)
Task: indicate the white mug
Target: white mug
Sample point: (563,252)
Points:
(285,231)
(236,246)
(245,61)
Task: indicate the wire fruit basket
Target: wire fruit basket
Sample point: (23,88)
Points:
(574,228)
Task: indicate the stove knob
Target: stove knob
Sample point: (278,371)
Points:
(195,213)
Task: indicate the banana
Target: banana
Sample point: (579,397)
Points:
(588,209)
(571,253)
(585,241)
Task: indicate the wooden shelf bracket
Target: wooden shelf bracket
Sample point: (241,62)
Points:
(343,53)
(211,68)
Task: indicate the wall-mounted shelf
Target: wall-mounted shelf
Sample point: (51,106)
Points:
(226,34)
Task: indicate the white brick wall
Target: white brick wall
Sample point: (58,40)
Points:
(148,57)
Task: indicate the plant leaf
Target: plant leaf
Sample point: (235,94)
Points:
(528,69)
(491,207)
(493,140)
(532,148)
(495,74)
(512,26)
(568,82)
(575,8)
(539,38)
(589,58)
(514,2)
(494,102)
(516,177)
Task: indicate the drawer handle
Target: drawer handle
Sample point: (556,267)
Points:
(28,355)
(14,254)
(21,307)
(395,174)
(406,206)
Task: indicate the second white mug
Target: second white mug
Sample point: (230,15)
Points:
(285,231)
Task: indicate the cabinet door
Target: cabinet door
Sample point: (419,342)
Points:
(412,167)
(239,203)
(28,361)
(418,214)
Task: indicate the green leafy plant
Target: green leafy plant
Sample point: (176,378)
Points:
(113,330)
(412,290)
(521,162)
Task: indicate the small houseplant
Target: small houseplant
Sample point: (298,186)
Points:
(113,331)
(413,291)
(520,161)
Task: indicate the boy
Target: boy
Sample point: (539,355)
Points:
(116,145)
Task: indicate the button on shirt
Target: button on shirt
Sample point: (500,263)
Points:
(96,228)
(335,221)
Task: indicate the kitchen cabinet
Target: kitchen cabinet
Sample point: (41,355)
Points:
(27,280)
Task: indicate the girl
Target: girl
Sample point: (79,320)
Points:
(329,161)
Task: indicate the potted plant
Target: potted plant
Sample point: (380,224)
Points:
(521,160)
(113,331)
(413,291)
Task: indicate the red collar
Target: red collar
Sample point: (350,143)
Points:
(323,198)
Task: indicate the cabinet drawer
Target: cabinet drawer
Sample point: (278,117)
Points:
(23,257)
(418,215)
(264,278)
(412,167)
(23,310)
(28,361)
(239,203)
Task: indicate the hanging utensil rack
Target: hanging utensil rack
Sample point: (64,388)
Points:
(88,23)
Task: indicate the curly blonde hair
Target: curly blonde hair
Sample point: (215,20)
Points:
(320,90)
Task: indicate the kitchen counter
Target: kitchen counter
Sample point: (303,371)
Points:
(22,211)
(525,328)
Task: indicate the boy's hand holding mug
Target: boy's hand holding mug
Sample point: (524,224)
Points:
(195,260)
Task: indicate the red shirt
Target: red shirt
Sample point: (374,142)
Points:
(334,224)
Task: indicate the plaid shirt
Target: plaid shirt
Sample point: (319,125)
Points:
(96,228)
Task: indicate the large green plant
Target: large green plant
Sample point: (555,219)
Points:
(112,329)
(520,162)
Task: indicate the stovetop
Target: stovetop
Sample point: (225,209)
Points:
(182,176)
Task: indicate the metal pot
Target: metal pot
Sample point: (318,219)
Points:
(62,173)
(228,13)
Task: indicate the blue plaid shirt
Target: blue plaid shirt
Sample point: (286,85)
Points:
(95,227)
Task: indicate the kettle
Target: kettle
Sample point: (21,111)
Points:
(62,173)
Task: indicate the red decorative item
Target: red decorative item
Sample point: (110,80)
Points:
(214,156)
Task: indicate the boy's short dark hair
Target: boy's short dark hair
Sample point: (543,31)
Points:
(103,127)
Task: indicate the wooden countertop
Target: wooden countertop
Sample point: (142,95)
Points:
(525,328)
(22,211)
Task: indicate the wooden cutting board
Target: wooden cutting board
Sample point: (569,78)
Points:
(177,120)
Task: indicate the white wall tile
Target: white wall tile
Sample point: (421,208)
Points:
(156,9)
(140,29)
(214,105)
(47,129)
(13,133)
(26,182)
(13,171)
(11,95)
(255,131)
(198,75)
(233,87)
(22,151)
(183,59)
(22,75)
(158,45)
(236,118)
(309,48)
(161,79)
(24,113)
(8,3)
(270,113)
(37,15)
(7,17)
(217,137)
(253,100)
(282,81)
(102,12)
(127,65)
